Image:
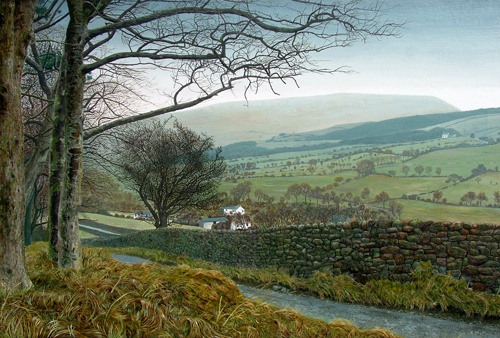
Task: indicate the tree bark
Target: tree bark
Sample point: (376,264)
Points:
(16,18)
(33,169)
(67,146)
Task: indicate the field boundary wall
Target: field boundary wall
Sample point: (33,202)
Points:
(366,251)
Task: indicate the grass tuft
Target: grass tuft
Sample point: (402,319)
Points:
(427,290)
(111,299)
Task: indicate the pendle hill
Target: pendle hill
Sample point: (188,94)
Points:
(291,124)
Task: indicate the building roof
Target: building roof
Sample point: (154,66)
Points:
(214,219)
(232,207)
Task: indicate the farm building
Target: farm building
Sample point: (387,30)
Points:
(208,222)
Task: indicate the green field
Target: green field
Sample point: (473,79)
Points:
(120,222)
(440,212)
(458,161)
(126,223)
(273,176)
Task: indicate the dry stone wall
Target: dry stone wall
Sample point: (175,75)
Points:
(369,250)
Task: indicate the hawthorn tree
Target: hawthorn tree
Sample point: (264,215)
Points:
(204,48)
(171,169)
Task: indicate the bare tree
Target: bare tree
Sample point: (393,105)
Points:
(205,48)
(172,169)
(15,34)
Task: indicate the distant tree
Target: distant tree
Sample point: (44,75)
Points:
(365,193)
(419,169)
(469,197)
(305,190)
(328,197)
(317,193)
(478,179)
(428,170)
(365,168)
(481,197)
(171,169)
(496,196)
(395,208)
(438,171)
(454,178)
(348,196)
(480,169)
(259,195)
(241,191)
(382,198)
(313,162)
(405,169)
(311,169)
(288,164)
(294,190)
(250,165)
(437,195)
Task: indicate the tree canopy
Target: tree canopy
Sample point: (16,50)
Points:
(172,169)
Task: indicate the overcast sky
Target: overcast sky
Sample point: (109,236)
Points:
(449,49)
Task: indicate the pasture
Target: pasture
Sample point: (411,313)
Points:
(273,175)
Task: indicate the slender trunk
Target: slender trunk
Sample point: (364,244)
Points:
(66,165)
(55,184)
(33,169)
(15,33)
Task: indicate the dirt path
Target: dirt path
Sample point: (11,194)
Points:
(102,230)
(406,324)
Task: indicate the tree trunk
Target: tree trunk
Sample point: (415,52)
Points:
(33,169)
(16,18)
(67,146)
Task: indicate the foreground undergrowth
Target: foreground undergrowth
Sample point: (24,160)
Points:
(111,299)
(427,291)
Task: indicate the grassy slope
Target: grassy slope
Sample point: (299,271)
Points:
(112,299)
(454,161)
(440,213)
(118,221)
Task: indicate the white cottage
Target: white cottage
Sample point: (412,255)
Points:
(232,210)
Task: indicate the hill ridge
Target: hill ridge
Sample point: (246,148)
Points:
(260,120)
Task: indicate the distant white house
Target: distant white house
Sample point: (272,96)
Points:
(448,135)
(232,210)
(209,222)
(240,224)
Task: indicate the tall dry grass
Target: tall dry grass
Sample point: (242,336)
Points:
(111,299)
(427,291)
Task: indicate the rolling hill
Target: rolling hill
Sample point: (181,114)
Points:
(259,121)
(483,124)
